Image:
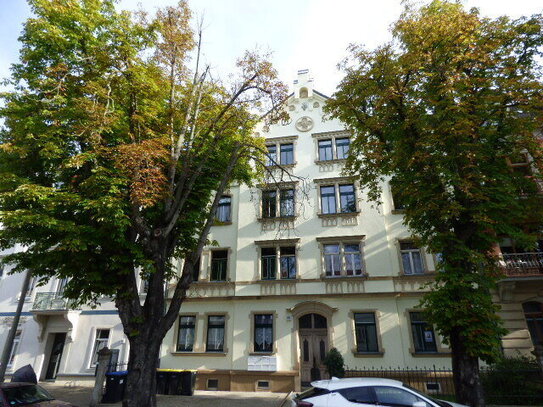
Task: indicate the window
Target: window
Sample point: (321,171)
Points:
(399,205)
(281,152)
(393,396)
(366,332)
(533,312)
(342,148)
(272,155)
(219,265)
(269,256)
(286,263)
(362,395)
(278,198)
(332,148)
(269,204)
(342,259)
(328,199)
(223,212)
(31,287)
(263,334)
(215,333)
(411,258)
(287,154)
(196,270)
(346,197)
(185,337)
(14,349)
(286,204)
(100,341)
(423,334)
(325,150)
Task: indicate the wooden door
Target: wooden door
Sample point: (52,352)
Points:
(314,346)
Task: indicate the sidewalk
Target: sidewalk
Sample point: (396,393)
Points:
(80,396)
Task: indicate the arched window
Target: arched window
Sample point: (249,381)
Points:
(533,312)
(303,93)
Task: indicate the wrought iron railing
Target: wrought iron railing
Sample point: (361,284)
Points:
(46,301)
(523,264)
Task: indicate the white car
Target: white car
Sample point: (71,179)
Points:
(365,392)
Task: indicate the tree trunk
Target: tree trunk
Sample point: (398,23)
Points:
(140,390)
(467,382)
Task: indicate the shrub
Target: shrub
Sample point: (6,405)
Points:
(334,363)
(514,381)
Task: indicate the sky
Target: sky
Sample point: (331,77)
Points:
(301,34)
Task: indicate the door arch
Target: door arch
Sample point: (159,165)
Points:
(312,321)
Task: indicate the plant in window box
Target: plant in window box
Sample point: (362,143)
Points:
(334,363)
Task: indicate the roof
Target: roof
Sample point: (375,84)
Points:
(336,383)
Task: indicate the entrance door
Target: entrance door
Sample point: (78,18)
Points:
(313,330)
(56,356)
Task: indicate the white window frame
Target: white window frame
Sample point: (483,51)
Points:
(278,188)
(94,351)
(332,136)
(276,245)
(14,349)
(422,254)
(277,142)
(336,183)
(342,241)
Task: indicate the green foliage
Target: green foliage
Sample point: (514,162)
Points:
(334,363)
(513,381)
(437,112)
(112,148)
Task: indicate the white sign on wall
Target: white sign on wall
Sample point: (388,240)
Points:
(262,363)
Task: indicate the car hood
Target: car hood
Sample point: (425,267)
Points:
(52,403)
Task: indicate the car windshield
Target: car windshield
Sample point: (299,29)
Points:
(440,403)
(27,394)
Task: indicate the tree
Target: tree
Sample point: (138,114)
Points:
(438,112)
(114,155)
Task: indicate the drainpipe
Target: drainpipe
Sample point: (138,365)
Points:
(11,335)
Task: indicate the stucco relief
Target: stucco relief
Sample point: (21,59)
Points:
(304,123)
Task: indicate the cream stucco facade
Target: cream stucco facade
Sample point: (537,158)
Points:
(275,263)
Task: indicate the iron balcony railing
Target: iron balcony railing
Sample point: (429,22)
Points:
(523,264)
(49,301)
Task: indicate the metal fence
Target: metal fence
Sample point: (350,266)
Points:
(501,387)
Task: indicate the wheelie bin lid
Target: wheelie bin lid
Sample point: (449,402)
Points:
(119,373)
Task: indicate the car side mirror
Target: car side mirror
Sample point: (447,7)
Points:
(419,404)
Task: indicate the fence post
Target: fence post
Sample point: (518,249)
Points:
(104,356)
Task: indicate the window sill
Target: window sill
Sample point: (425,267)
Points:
(262,353)
(279,165)
(334,161)
(431,354)
(219,223)
(419,275)
(221,354)
(338,214)
(329,278)
(398,211)
(279,280)
(368,354)
(278,219)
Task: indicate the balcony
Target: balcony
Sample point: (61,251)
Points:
(523,264)
(50,301)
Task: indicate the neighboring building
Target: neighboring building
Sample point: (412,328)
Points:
(304,263)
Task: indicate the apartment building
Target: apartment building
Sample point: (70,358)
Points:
(304,263)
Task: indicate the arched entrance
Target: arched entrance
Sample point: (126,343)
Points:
(313,321)
(313,332)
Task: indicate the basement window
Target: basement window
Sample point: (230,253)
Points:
(213,384)
(263,385)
